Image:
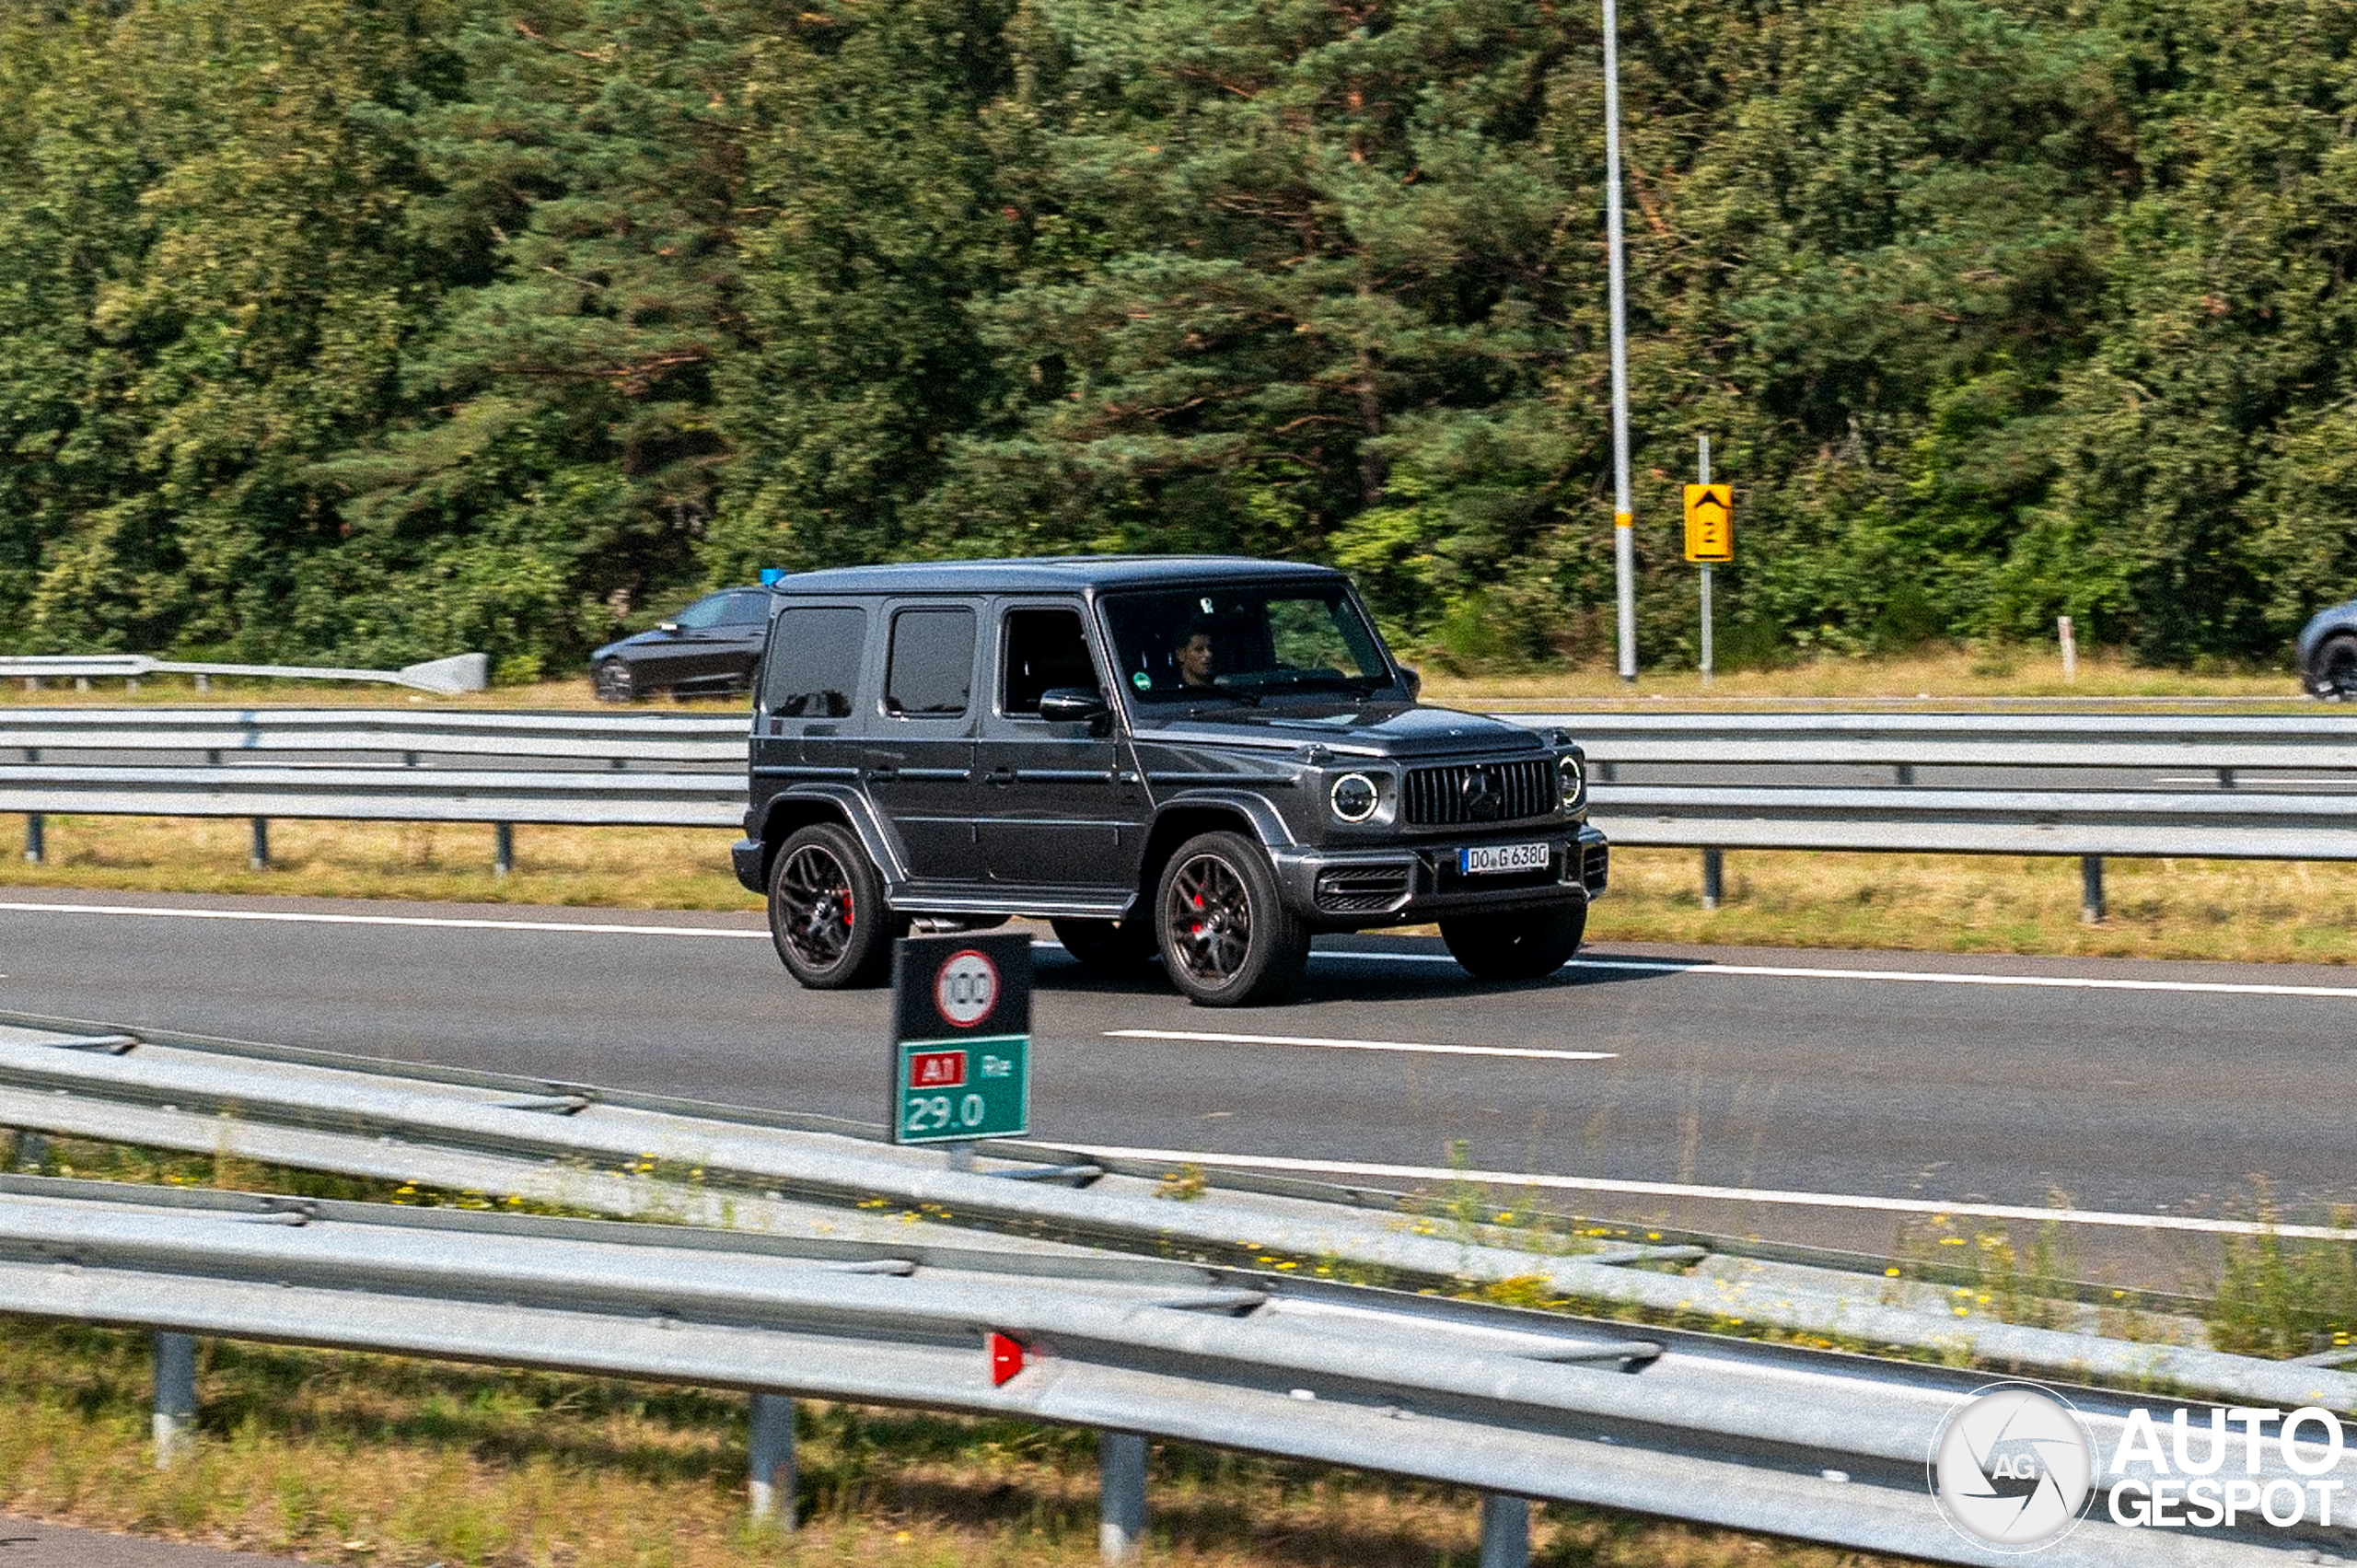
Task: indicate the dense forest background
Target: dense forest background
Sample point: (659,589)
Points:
(377,330)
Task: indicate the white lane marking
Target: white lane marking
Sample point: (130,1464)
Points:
(1919,977)
(1731,1194)
(1638,966)
(2268,779)
(1362,1044)
(288,917)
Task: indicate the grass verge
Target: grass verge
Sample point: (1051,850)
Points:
(1938,672)
(365,1459)
(2250,912)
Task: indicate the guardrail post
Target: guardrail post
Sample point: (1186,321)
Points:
(258,859)
(175,1418)
(1121,1478)
(32,1150)
(1906,772)
(2091,888)
(2226,778)
(1713,878)
(503,854)
(36,838)
(773,1460)
(204,684)
(1506,1531)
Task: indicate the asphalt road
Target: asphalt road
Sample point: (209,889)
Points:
(27,1544)
(2004,1080)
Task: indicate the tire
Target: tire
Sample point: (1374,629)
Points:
(1226,937)
(2335,669)
(613,682)
(1529,945)
(1113,946)
(827,912)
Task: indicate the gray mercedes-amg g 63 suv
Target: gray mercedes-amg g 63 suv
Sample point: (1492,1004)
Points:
(1210,759)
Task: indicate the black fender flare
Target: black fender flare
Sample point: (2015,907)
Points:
(831,800)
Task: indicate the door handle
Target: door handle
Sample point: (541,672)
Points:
(999,776)
(882,776)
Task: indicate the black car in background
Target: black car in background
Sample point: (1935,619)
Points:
(709,648)
(2327,652)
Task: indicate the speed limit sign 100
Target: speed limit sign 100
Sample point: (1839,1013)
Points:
(961,1067)
(965,988)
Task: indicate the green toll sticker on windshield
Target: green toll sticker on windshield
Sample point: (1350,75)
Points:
(1141,680)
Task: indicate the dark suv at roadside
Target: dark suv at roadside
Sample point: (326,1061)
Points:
(1210,758)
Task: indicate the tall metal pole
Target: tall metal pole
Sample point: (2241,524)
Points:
(1704,462)
(1624,545)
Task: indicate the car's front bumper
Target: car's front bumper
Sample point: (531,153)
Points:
(1349,889)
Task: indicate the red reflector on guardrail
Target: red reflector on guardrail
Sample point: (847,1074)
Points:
(1006,1358)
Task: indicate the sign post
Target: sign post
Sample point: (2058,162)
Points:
(1710,535)
(961,1040)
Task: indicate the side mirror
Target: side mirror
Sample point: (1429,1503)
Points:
(1413,680)
(1077,704)
(670,626)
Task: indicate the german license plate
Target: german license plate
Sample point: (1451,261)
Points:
(1501,858)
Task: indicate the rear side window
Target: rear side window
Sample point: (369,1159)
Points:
(1044,649)
(812,670)
(931,671)
(745,610)
(704,614)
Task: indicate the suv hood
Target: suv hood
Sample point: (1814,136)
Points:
(1378,728)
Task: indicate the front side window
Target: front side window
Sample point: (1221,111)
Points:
(931,671)
(1245,641)
(1042,649)
(812,668)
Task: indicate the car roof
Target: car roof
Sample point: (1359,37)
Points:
(1049,573)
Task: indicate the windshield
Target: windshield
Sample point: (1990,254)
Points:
(1243,642)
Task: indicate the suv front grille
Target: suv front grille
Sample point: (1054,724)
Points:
(1362,889)
(1509,791)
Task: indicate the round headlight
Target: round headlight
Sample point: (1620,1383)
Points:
(1352,797)
(1574,782)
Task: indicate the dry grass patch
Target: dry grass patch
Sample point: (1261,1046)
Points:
(620,867)
(2265,911)
(370,1460)
(1942,673)
(2269,912)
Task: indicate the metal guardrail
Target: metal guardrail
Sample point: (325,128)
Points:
(682,771)
(585,1148)
(1519,1405)
(444,676)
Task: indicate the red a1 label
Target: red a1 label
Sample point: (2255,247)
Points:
(936,1069)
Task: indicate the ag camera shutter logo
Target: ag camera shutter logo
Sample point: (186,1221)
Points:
(2012,1468)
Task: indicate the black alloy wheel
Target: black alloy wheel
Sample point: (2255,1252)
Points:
(1227,939)
(2336,669)
(614,681)
(1114,946)
(1528,946)
(827,912)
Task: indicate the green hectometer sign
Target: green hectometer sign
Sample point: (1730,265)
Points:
(952,1089)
